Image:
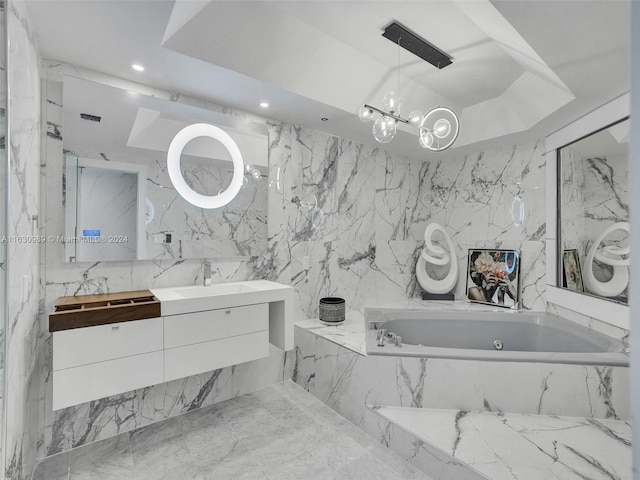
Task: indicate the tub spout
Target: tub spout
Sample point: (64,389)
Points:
(390,337)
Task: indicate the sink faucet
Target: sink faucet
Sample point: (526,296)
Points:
(207,273)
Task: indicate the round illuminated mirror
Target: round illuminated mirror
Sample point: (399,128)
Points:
(174,154)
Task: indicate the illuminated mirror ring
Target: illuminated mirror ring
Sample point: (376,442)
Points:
(176,147)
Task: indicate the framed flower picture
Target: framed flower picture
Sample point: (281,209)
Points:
(571,272)
(493,277)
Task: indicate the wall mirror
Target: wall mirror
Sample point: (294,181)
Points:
(593,214)
(119,201)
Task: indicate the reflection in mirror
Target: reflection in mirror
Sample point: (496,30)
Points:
(105,202)
(123,132)
(593,214)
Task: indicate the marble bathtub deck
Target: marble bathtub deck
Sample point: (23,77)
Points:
(507,446)
(351,333)
(281,432)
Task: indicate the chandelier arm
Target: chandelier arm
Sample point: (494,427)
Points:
(386,114)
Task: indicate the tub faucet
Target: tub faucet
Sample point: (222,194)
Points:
(391,338)
(207,273)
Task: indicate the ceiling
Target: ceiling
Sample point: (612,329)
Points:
(134,127)
(521,70)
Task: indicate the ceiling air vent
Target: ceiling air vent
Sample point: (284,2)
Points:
(91,118)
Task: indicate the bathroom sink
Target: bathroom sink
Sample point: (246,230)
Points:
(197,298)
(213,290)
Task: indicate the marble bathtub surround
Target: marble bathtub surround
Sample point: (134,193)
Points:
(347,380)
(592,323)
(520,446)
(278,433)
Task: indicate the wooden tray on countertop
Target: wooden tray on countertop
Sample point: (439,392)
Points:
(102,309)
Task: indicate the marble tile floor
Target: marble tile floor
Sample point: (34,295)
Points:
(509,446)
(281,432)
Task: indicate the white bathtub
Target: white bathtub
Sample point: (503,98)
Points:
(473,335)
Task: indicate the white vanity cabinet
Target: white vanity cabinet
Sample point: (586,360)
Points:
(95,362)
(202,341)
(113,343)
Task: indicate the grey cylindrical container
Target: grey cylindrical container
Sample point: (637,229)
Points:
(332,310)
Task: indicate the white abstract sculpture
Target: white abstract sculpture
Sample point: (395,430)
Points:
(436,255)
(612,256)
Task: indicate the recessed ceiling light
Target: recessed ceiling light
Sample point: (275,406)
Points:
(137,68)
(324,119)
(264,104)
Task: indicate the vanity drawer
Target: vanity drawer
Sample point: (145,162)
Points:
(206,356)
(191,328)
(73,386)
(83,346)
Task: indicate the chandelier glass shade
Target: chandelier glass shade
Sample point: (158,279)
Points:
(437,129)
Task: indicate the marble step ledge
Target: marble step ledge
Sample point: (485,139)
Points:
(461,445)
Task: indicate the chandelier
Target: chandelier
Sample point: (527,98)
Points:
(438,128)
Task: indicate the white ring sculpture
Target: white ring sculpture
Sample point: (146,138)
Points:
(612,256)
(178,143)
(436,255)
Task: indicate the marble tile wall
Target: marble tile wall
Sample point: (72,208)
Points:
(23,330)
(236,230)
(375,206)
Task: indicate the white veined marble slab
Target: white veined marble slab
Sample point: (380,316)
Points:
(523,446)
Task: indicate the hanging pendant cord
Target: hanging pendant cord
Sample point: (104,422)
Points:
(398,67)
(438,85)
